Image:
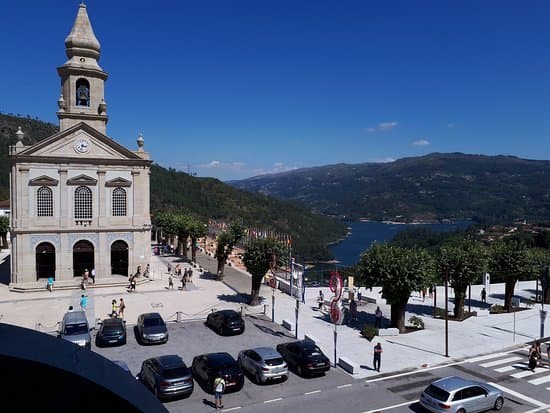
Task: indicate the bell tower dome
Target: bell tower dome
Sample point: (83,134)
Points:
(82,79)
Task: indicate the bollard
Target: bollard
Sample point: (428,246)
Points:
(241,310)
(178,316)
(265,306)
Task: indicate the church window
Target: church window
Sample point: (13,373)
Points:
(82,92)
(44,202)
(119,202)
(83,203)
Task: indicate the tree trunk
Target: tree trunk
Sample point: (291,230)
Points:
(221,265)
(508,293)
(398,315)
(460,294)
(193,250)
(546,295)
(255,291)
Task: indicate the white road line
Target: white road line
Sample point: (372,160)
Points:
(505,369)
(408,373)
(540,380)
(313,392)
(538,409)
(486,357)
(501,361)
(273,400)
(344,386)
(518,395)
(527,373)
(232,408)
(383,409)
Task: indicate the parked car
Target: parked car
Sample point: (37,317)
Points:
(74,328)
(151,328)
(304,357)
(112,332)
(263,363)
(225,322)
(207,367)
(167,376)
(457,395)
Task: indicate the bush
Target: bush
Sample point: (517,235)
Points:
(439,312)
(369,332)
(416,322)
(497,308)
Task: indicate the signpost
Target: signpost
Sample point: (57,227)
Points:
(515,305)
(336,312)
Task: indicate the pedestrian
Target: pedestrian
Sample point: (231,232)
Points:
(321,299)
(85,276)
(353,310)
(146,273)
(113,309)
(182,282)
(169,268)
(71,308)
(423,294)
(483,295)
(133,283)
(533,357)
(83,302)
(548,354)
(49,284)
(219,387)
(170,282)
(378,318)
(377,356)
(431,291)
(92,275)
(121,307)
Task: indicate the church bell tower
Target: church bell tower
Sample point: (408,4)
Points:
(82,79)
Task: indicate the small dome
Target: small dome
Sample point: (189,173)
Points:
(81,41)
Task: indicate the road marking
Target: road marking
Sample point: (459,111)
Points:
(313,392)
(518,395)
(527,373)
(344,385)
(540,380)
(273,400)
(487,357)
(232,408)
(501,361)
(416,371)
(381,409)
(538,409)
(505,369)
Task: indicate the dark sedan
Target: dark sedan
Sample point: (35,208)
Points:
(151,328)
(167,376)
(207,367)
(112,332)
(304,357)
(225,322)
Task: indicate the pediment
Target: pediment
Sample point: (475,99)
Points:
(80,141)
(43,181)
(118,182)
(82,180)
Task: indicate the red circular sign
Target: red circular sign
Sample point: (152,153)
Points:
(273,282)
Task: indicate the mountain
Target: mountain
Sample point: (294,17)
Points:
(489,189)
(207,198)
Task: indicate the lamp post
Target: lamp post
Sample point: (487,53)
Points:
(446,314)
(297,274)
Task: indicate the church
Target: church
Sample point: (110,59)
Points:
(79,200)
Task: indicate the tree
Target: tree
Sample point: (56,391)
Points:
(463,262)
(197,229)
(168,223)
(259,256)
(399,271)
(225,243)
(182,226)
(4,229)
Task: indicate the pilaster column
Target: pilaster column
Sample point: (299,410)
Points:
(136,198)
(24,196)
(64,197)
(101,199)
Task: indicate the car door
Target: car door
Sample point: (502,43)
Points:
(474,399)
(246,360)
(253,361)
(201,368)
(146,373)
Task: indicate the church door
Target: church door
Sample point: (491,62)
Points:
(119,258)
(83,257)
(45,260)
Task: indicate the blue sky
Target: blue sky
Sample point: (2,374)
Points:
(233,89)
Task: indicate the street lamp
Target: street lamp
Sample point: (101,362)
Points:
(446,314)
(297,272)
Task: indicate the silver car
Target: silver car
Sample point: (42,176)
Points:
(263,363)
(457,395)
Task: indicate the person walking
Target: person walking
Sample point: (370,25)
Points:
(121,307)
(114,309)
(83,302)
(353,310)
(321,299)
(219,387)
(92,275)
(86,276)
(182,279)
(169,267)
(483,295)
(377,356)
(378,318)
(49,284)
(170,282)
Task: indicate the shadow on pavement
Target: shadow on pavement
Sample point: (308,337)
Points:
(416,407)
(271,331)
(234,298)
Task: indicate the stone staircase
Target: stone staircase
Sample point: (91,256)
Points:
(74,284)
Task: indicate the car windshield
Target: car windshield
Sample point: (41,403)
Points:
(437,393)
(71,329)
(274,362)
(112,329)
(312,352)
(151,322)
(176,372)
(233,319)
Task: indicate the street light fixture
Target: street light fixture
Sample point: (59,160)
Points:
(297,272)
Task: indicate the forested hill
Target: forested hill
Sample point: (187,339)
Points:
(205,197)
(489,189)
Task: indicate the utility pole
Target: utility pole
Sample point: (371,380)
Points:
(446,313)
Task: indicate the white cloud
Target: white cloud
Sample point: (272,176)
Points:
(451,125)
(382,127)
(232,166)
(421,142)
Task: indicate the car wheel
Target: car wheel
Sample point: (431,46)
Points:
(499,402)
(301,372)
(461,411)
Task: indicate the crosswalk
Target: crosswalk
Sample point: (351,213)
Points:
(515,364)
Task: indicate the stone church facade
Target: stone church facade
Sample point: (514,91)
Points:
(79,200)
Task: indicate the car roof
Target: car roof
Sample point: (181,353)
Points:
(303,344)
(170,361)
(75,317)
(220,357)
(266,352)
(151,315)
(453,383)
(228,313)
(112,321)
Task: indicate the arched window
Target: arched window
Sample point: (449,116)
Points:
(83,203)
(119,202)
(82,92)
(44,202)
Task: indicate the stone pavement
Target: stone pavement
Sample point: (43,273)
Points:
(421,349)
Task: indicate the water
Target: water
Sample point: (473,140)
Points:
(363,234)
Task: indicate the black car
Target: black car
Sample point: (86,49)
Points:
(304,357)
(225,322)
(207,367)
(112,332)
(151,328)
(167,376)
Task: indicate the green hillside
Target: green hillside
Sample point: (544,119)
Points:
(207,198)
(489,189)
